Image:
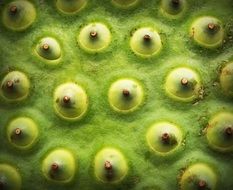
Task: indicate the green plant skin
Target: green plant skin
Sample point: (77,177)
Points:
(102,126)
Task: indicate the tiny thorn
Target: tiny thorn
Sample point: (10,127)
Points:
(18,131)
(108,165)
(165,137)
(93,34)
(229,131)
(9,84)
(202,184)
(54,167)
(184,81)
(147,38)
(13,9)
(45,47)
(66,99)
(211,26)
(126,93)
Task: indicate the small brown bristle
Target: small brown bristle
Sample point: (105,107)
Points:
(18,131)
(175,2)
(108,165)
(147,38)
(93,34)
(229,131)
(211,26)
(201,184)
(54,166)
(126,92)
(184,81)
(165,137)
(13,9)
(66,99)
(46,47)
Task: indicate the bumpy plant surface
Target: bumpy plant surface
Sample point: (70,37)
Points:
(116,95)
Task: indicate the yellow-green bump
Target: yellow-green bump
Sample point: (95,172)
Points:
(22,132)
(48,48)
(70,101)
(183,84)
(94,37)
(207,31)
(173,8)
(70,6)
(110,166)
(146,42)
(19,15)
(197,177)
(220,132)
(125,3)
(226,79)
(10,178)
(59,166)
(164,137)
(125,95)
(15,86)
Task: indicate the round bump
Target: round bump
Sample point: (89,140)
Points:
(19,15)
(207,32)
(220,132)
(22,132)
(226,79)
(173,7)
(71,6)
(125,95)
(10,178)
(110,166)
(49,49)
(164,137)
(146,42)
(70,101)
(59,165)
(125,3)
(183,84)
(94,37)
(198,176)
(15,86)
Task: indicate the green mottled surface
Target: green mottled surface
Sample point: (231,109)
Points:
(102,126)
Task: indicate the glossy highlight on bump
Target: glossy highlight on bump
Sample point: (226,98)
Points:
(197,177)
(70,6)
(110,166)
(19,15)
(49,49)
(22,132)
(15,86)
(94,37)
(183,84)
(70,101)
(208,32)
(59,166)
(220,132)
(164,137)
(146,42)
(10,178)
(226,79)
(125,95)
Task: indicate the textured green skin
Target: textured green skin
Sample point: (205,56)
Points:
(102,126)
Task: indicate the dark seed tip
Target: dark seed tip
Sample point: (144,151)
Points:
(54,166)
(66,99)
(126,92)
(147,38)
(107,165)
(93,34)
(165,137)
(13,9)
(229,131)
(9,84)
(46,47)
(184,81)
(18,131)
(202,184)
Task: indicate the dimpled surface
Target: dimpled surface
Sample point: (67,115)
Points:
(95,72)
